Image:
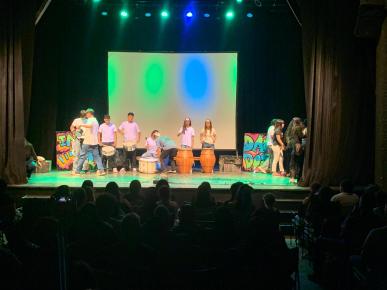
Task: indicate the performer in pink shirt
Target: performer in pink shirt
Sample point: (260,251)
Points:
(186,134)
(132,135)
(107,136)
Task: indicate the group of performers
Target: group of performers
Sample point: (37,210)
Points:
(90,137)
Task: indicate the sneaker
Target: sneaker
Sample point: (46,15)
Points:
(134,169)
(101,172)
(171,171)
(115,170)
(122,171)
(276,174)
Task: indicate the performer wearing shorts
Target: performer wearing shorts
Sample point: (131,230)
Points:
(168,149)
(90,143)
(107,136)
(132,135)
(187,134)
(208,135)
(78,139)
(151,146)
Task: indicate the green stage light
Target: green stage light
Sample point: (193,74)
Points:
(124,13)
(104,13)
(239,1)
(96,1)
(230,14)
(164,14)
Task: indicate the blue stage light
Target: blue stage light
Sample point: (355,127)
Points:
(189,14)
(206,15)
(249,15)
(148,14)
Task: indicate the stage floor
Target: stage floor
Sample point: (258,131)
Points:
(218,180)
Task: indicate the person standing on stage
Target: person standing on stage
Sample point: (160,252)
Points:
(132,135)
(187,134)
(151,145)
(278,149)
(208,135)
(78,138)
(31,159)
(107,136)
(168,148)
(294,135)
(266,168)
(90,143)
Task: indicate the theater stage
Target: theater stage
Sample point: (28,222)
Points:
(218,180)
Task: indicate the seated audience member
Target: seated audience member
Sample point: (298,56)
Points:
(346,198)
(268,213)
(113,188)
(359,223)
(87,183)
(165,200)
(233,190)
(307,200)
(243,208)
(134,196)
(108,210)
(90,197)
(79,198)
(146,211)
(204,203)
(381,205)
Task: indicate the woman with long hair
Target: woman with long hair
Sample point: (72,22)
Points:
(187,134)
(294,134)
(208,135)
(278,149)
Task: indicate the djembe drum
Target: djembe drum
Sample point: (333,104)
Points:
(207,160)
(184,160)
(147,165)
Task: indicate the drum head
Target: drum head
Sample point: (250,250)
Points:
(108,150)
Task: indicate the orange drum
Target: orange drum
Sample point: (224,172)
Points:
(207,160)
(184,160)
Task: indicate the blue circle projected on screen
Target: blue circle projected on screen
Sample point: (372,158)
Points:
(197,79)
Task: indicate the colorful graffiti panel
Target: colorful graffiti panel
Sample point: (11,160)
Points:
(254,151)
(64,153)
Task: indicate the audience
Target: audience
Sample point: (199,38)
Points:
(146,240)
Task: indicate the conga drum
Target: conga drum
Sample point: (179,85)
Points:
(184,160)
(207,160)
(147,165)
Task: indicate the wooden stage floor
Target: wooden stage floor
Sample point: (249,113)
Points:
(218,180)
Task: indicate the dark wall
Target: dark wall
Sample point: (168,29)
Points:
(70,69)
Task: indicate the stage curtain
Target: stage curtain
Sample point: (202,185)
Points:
(339,73)
(16,36)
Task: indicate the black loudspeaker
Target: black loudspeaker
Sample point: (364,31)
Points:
(371,14)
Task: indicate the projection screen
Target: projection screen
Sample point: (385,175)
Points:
(164,88)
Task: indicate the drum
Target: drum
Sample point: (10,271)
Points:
(147,165)
(207,160)
(129,145)
(184,160)
(108,151)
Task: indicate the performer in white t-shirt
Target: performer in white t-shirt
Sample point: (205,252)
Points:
(107,136)
(266,167)
(186,134)
(151,145)
(132,135)
(208,135)
(78,132)
(90,143)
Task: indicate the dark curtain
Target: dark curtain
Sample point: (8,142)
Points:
(339,75)
(16,36)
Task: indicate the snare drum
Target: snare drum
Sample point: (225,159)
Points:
(147,165)
(129,145)
(108,151)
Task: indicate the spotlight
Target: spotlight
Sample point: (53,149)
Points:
(229,14)
(96,1)
(104,13)
(249,15)
(164,14)
(206,15)
(124,13)
(148,14)
(189,14)
(239,1)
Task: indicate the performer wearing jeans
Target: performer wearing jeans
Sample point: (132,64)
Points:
(78,139)
(107,136)
(266,168)
(168,149)
(151,145)
(90,143)
(187,134)
(132,135)
(278,148)
(208,135)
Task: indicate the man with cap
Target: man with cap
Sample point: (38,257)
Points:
(168,148)
(90,143)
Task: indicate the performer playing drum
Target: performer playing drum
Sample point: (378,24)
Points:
(79,136)
(151,146)
(168,148)
(107,138)
(132,135)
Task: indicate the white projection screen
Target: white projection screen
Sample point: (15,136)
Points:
(164,88)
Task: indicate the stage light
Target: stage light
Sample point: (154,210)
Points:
(96,1)
(148,14)
(189,14)
(164,14)
(206,15)
(124,13)
(239,1)
(249,15)
(104,13)
(230,14)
